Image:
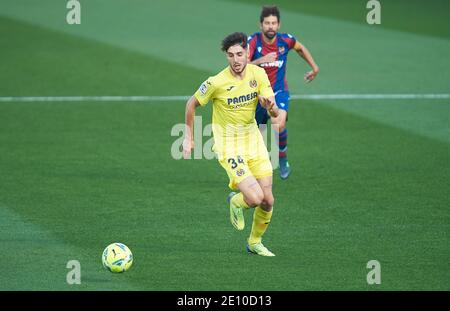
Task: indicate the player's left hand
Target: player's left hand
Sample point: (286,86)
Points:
(310,75)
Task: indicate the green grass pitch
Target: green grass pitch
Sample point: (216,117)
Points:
(370,177)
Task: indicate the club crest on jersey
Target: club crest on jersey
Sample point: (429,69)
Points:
(240,172)
(281,49)
(253,83)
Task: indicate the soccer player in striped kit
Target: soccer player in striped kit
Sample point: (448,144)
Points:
(269,49)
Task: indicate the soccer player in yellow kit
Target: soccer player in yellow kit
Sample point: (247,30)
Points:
(238,143)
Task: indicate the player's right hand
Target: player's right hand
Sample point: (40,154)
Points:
(270,105)
(310,75)
(272,108)
(188,144)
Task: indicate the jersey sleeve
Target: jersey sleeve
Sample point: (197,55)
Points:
(205,91)
(251,41)
(265,89)
(290,40)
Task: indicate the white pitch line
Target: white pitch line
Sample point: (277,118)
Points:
(92,98)
(185,98)
(372,96)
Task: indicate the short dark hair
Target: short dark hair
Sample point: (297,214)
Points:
(268,11)
(233,39)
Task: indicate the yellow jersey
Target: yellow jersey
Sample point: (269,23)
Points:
(234,104)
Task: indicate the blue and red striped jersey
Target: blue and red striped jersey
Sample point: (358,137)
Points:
(275,70)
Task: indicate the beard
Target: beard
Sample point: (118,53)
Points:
(239,69)
(270,34)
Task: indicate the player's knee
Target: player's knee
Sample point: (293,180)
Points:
(268,201)
(255,199)
(280,126)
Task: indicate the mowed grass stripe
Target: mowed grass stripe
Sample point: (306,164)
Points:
(37,259)
(63,64)
(424,117)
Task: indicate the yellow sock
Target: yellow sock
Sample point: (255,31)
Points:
(261,220)
(238,200)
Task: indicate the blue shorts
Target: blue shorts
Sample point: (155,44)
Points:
(282,100)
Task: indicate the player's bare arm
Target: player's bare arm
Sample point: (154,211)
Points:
(188,142)
(270,105)
(306,55)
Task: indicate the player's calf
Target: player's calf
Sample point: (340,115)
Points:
(279,123)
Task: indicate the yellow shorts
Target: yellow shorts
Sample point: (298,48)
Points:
(239,167)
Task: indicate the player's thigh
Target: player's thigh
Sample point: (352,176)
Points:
(279,123)
(282,100)
(250,188)
(259,161)
(262,170)
(236,168)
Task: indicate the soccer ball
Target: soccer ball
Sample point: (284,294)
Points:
(117,258)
